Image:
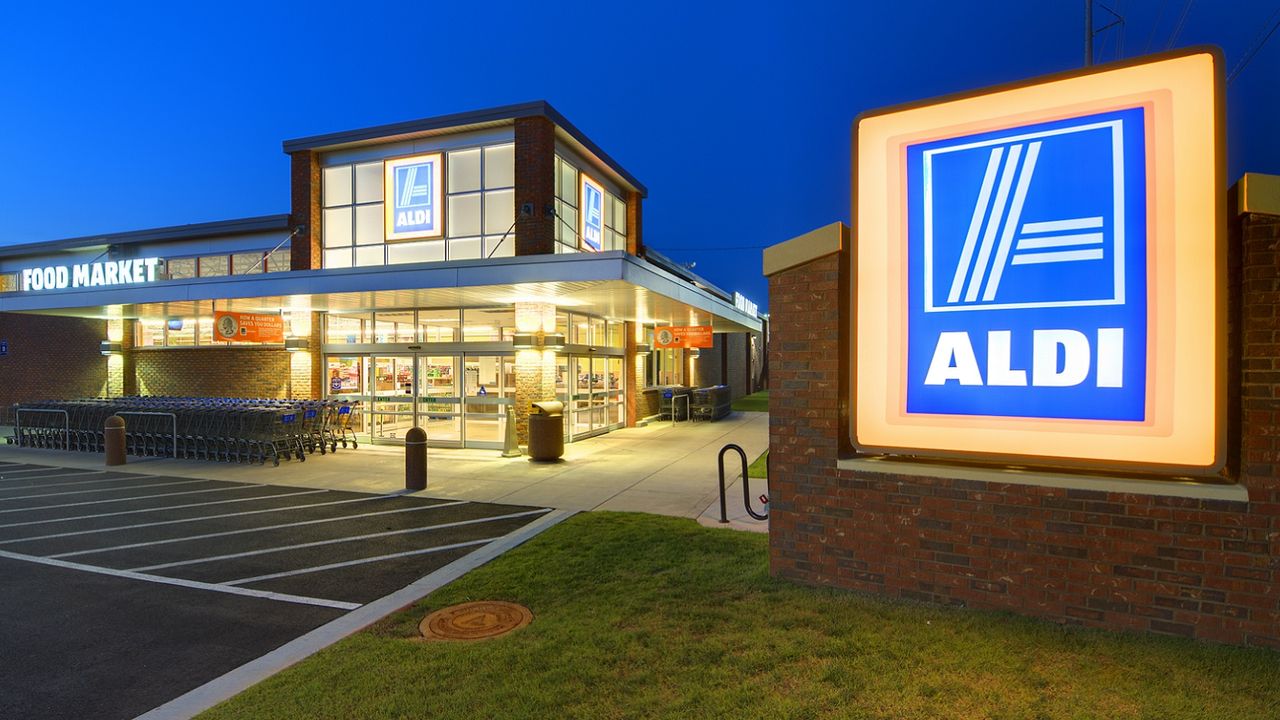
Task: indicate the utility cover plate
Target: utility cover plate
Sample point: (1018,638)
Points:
(478,620)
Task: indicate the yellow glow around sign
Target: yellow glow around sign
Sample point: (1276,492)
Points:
(1185,416)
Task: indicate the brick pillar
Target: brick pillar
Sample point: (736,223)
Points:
(635,242)
(304,176)
(535,186)
(535,381)
(632,372)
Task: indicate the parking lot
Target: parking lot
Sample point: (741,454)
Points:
(122,591)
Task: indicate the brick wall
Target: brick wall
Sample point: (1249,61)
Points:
(1206,569)
(227,372)
(535,139)
(304,201)
(51,358)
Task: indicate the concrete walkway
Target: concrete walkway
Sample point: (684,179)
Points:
(663,468)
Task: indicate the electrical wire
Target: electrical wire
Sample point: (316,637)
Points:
(1182,19)
(1258,43)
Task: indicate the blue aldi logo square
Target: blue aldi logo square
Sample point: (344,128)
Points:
(414,197)
(1027,271)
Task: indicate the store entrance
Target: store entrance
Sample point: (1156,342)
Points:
(461,400)
(593,393)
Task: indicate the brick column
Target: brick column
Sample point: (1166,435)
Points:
(632,372)
(304,178)
(535,381)
(535,186)
(635,229)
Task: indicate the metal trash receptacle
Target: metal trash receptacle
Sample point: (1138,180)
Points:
(546,430)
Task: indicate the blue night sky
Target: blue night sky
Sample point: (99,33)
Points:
(735,115)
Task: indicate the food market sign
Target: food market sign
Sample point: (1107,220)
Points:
(95,274)
(1039,270)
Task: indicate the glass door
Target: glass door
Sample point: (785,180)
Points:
(439,399)
(346,381)
(595,398)
(393,388)
(489,386)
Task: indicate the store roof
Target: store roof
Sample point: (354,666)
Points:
(457,122)
(195,231)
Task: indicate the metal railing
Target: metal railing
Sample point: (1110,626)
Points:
(746,485)
(66,423)
(171,416)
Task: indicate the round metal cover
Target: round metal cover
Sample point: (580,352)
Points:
(475,621)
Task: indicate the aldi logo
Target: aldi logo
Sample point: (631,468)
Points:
(1027,253)
(413,195)
(1038,270)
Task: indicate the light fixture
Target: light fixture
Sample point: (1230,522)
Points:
(524,341)
(643,349)
(297,344)
(553,341)
(108,347)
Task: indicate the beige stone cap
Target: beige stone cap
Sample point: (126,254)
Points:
(809,246)
(1255,193)
(1134,486)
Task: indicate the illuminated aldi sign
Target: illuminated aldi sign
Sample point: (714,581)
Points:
(413,190)
(592,214)
(1039,270)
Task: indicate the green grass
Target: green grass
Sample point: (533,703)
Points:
(639,616)
(759,468)
(755,402)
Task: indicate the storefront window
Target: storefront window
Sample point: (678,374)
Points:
(615,335)
(345,329)
(181,268)
(215,266)
(182,332)
(394,327)
(247,263)
(567,204)
(488,324)
(438,325)
(598,336)
(150,333)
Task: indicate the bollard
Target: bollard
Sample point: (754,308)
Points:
(415,459)
(113,440)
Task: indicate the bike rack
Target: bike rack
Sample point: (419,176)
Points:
(746,485)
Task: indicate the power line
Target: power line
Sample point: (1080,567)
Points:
(1182,19)
(1152,35)
(1259,42)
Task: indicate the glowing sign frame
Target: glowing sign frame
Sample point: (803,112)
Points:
(583,184)
(1184,429)
(389,168)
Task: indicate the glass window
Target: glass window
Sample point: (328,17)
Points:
(337,185)
(345,329)
(182,332)
(619,215)
(598,336)
(204,329)
(369,182)
(500,166)
(369,224)
(497,246)
(438,325)
(214,266)
(245,263)
(562,324)
(337,258)
(464,215)
(370,255)
(488,324)
(568,182)
(394,327)
(615,335)
(580,333)
(181,268)
(464,170)
(464,248)
(150,333)
(499,211)
(415,252)
(337,227)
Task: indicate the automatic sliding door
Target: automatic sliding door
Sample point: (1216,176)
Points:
(392,382)
(489,390)
(439,406)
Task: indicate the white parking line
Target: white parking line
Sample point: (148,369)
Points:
(5,474)
(362,561)
(33,478)
(81,492)
(335,541)
(195,584)
(257,529)
(155,509)
(122,476)
(136,497)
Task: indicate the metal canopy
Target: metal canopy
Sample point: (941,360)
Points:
(612,284)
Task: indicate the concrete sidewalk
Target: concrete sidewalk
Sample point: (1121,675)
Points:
(663,468)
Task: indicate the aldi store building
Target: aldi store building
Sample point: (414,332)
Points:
(446,273)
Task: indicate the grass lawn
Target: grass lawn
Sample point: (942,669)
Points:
(755,402)
(759,468)
(640,616)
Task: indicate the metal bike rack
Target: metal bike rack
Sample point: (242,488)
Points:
(66,424)
(172,416)
(746,485)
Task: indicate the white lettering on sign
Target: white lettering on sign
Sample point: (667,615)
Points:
(1059,358)
(96,274)
(742,303)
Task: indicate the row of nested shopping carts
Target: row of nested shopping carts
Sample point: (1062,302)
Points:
(205,428)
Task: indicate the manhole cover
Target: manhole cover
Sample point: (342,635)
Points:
(475,620)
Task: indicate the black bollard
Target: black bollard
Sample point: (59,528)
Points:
(113,440)
(415,459)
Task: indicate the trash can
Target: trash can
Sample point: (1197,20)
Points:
(546,430)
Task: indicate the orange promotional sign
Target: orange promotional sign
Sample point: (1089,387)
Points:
(248,327)
(689,336)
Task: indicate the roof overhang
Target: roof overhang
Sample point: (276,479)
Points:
(612,284)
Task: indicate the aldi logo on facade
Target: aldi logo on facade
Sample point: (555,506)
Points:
(1039,270)
(1028,248)
(413,192)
